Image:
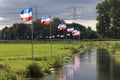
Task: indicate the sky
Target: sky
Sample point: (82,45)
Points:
(63,9)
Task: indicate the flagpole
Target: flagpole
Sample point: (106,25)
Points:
(32,36)
(64,38)
(23,16)
(51,38)
(65,32)
(79,38)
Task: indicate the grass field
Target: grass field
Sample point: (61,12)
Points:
(16,57)
(24,50)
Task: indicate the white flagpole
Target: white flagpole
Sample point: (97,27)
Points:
(79,37)
(64,38)
(32,36)
(65,35)
(51,38)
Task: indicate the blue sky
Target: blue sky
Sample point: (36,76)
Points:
(10,9)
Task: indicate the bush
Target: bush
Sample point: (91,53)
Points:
(1,66)
(74,50)
(34,71)
(58,62)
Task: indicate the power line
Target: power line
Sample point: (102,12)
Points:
(74,11)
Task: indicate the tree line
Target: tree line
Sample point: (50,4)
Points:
(108,26)
(22,31)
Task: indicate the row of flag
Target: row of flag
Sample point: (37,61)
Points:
(26,15)
(74,32)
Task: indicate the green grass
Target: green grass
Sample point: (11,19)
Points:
(16,57)
(24,50)
(113,48)
(14,50)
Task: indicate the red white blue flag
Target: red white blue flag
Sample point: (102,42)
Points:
(70,29)
(76,33)
(45,20)
(61,26)
(26,15)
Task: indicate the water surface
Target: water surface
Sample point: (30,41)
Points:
(92,64)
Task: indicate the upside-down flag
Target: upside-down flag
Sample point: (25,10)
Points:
(45,20)
(26,14)
(76,33)
(70,29)
(61,26)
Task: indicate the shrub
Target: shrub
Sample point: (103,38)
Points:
(1,66)
(74,50)
(34,71)
(58,62)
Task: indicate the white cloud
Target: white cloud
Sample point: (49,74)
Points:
(2,19)
(90,23)
(2,26)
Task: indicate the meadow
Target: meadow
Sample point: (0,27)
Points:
(8,51)
(16,57)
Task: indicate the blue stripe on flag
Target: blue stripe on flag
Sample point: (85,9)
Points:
(26,11)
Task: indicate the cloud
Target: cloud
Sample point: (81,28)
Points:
(10,9)
(90,23)
(2,26)
(2,19)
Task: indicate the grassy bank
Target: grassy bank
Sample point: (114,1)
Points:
(113,48)
(14,58)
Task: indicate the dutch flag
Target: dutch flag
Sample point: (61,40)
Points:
(76,33)
(26,14)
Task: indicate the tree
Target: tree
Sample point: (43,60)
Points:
(103,17)
(91,34)
(4,33)
(11,33)
(109,19)
(54,25)
(20,31)
(81,28)
(37,28)
(115,18)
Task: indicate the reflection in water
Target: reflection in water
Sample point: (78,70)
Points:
(71,69)
(107,68)
(82,67)
(62,77)
(93,64)
(103,65)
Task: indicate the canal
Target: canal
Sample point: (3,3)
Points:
(92,64)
